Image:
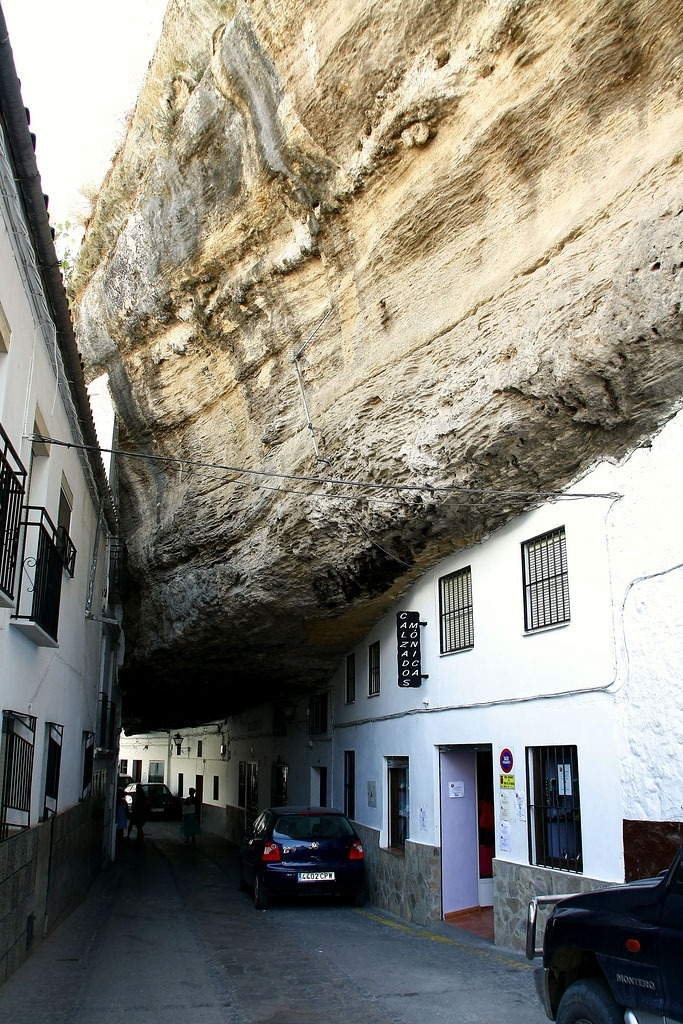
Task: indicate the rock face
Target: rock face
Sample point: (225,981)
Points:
(426,244)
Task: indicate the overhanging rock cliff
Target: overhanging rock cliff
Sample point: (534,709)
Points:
(419,243)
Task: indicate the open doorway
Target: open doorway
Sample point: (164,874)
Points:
(319,786)
(467,832)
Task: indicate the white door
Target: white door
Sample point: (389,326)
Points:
(459,841)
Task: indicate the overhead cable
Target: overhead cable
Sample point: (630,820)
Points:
(430,488)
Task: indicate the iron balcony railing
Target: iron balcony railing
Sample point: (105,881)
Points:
(12,486)
(47,552)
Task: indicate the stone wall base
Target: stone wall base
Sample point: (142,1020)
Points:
(406,884)
(513,887)
(45,872)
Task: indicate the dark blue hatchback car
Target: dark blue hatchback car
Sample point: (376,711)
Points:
(302,851)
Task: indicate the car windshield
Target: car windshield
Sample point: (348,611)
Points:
(312,826)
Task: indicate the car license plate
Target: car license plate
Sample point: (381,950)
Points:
(316,876)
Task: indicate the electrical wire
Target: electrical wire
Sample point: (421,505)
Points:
(371,485)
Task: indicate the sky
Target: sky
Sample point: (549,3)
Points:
(81,64)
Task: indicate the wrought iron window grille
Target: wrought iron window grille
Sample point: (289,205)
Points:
(546,580)
(456,614)
(554,819)
(374,678)
(16,772)
(12,487)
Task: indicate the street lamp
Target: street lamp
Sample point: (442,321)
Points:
(178,740)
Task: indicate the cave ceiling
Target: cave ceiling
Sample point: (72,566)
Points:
(368,279)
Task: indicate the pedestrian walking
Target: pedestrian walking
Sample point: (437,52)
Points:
(190,827)
(139,813)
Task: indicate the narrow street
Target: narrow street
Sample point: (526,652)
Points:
(167,936)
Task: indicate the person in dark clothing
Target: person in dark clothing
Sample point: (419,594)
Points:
(190,827)
(139,813)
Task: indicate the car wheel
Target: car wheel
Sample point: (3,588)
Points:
(260,895)
(588,1002)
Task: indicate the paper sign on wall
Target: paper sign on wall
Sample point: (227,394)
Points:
(456,788)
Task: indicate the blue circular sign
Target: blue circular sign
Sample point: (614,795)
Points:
(506,760)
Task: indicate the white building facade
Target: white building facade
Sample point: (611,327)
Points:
(552,654)
(60,640)
(540,752)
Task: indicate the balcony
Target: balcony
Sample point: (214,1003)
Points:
(47,552)
(12,484)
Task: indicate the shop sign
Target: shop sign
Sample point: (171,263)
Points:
(409,651)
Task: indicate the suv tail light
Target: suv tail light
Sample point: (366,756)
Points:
(356,850)
(271,851)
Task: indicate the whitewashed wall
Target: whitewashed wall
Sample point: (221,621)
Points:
(54,684)
(608,682)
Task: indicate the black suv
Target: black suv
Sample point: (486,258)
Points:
(614,956)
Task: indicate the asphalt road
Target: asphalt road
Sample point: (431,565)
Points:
(166,936)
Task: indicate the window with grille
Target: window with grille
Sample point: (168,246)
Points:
(12,484)
(546,580)
(54,735)
(554,808)
(156,771)
(373,669)
(350,678)
(317,714)
(455,611)
(16,771)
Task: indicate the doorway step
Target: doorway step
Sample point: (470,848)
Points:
(477,920)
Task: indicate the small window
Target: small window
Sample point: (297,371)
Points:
(156,771)
(66,504)
(554,807)
(242,784)
(53,737)
(455,611)
(4,331)
(399,807)
(123,766)
(88,762)
(200,748)
(215,787)
(546,580)
(317,714)
(350,678)
(373,669)
(350,783)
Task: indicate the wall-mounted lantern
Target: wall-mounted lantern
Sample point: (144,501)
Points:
(178,740)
